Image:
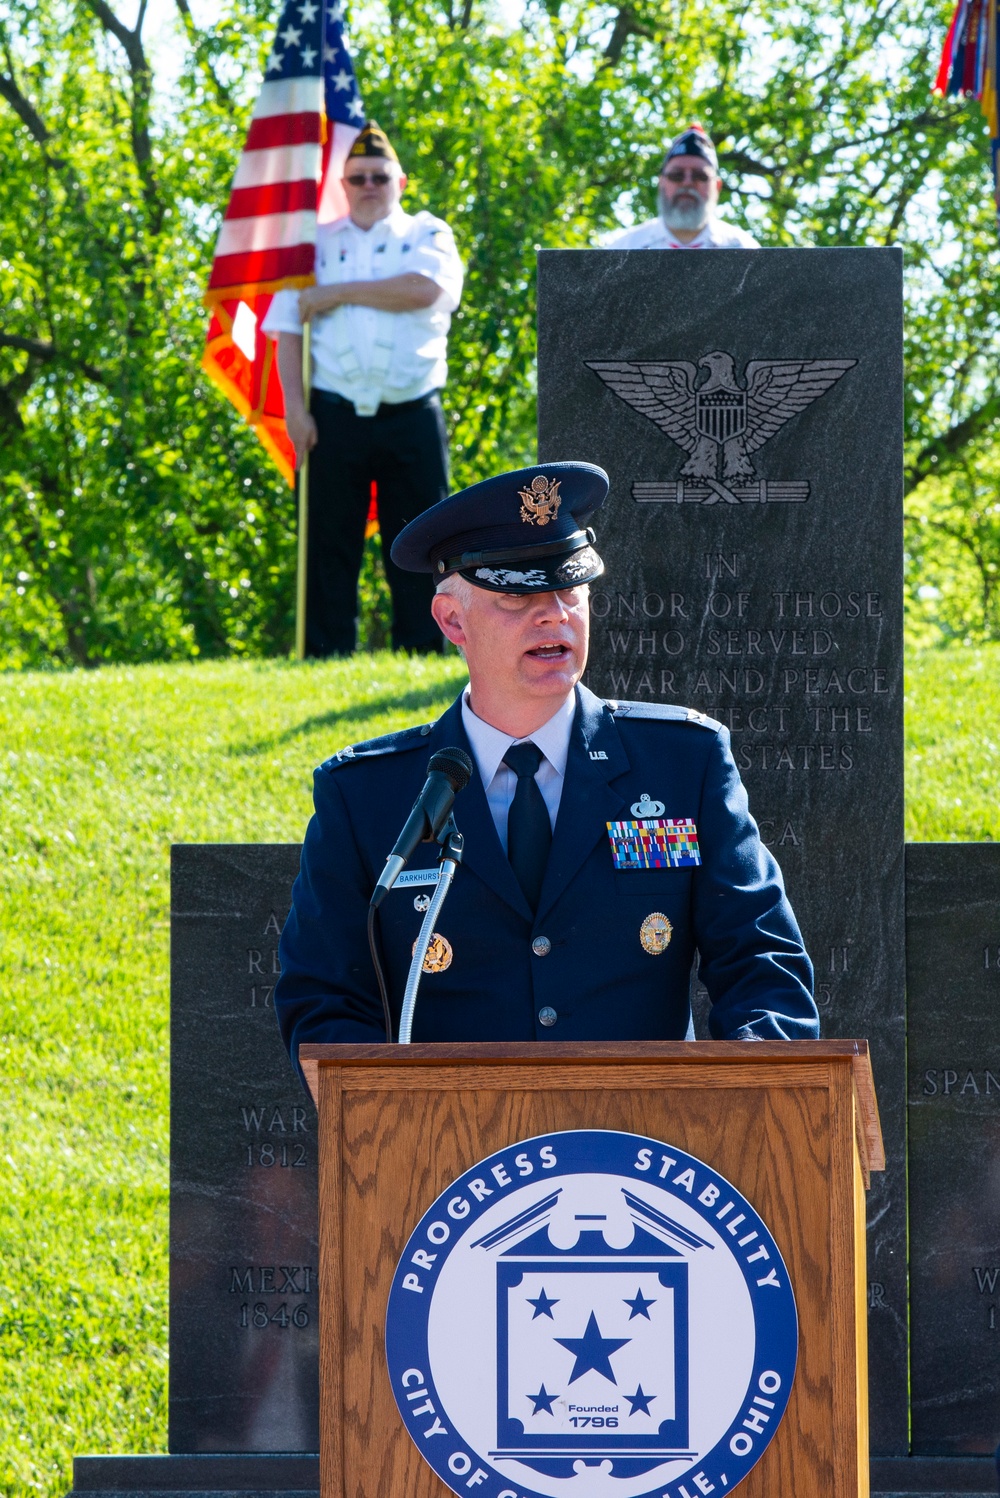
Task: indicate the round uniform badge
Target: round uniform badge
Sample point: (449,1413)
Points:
(591,1314)
(655,933)
(437,958)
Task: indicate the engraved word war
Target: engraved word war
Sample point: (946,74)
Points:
(279,1122)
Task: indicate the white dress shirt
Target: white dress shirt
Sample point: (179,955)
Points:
(489,746)
(361,353)
(654,235)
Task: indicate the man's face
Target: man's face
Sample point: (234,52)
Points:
(525,652)
(689,191)
(373,186)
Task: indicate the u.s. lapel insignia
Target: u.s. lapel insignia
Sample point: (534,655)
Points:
(646,808)
(655,933)
(541,502)
(438,955)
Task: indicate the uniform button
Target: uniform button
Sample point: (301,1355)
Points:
(541,946)
(547,1016)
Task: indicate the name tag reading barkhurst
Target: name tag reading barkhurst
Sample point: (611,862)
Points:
(655,843)
(416,876)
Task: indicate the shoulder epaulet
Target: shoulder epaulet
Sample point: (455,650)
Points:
(665,711)
(389,743)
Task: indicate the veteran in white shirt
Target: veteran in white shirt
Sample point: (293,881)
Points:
(387,283)
(688,195)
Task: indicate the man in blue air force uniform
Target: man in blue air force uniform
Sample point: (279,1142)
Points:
(605,842)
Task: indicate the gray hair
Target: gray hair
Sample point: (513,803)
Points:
(457,586)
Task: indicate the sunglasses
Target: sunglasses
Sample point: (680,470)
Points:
(377,179)
(683,174)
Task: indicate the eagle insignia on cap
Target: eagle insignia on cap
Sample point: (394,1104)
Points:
(541,502)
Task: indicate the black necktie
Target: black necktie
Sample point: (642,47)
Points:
(529,831)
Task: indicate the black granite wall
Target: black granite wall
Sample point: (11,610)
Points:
(953,1065)
(748,408)
(243,1169)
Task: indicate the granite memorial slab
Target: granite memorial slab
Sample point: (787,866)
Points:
(748,408)
(243,1167)
(953,1053)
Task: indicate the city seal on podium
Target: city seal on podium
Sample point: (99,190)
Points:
(594,1314)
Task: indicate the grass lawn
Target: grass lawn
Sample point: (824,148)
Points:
(99,773)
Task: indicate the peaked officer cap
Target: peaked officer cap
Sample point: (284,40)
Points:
(371,140)
(520,532)
(693,141)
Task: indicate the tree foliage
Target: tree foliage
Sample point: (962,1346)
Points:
(139,518)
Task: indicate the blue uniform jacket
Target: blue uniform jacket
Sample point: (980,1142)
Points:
(597,976)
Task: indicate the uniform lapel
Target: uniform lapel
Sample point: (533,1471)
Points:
(588,801)
(484,853)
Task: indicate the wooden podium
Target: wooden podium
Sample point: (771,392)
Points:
(792,1125)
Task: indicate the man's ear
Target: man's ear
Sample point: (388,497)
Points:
(447,615)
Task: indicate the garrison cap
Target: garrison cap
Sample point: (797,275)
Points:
(693,141)
(371,140)
(520,532)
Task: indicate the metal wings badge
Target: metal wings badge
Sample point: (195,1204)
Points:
(541,502)
(721,422)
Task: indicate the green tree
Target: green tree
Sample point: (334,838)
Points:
(953,546)
(139,518)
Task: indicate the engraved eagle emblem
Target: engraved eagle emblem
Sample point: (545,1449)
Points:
(541,502)
(721,421)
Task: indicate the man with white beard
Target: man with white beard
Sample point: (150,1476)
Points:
(688,202)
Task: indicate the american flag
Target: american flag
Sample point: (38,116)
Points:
(288,180)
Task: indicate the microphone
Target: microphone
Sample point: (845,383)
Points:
(448,772)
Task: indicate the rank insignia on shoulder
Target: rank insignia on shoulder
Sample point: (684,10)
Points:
(655,843)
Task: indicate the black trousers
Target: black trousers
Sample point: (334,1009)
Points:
(403,449)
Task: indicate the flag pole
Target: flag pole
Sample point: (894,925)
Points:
(303,477)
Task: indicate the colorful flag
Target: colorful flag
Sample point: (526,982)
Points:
(288,180)
(970,63)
